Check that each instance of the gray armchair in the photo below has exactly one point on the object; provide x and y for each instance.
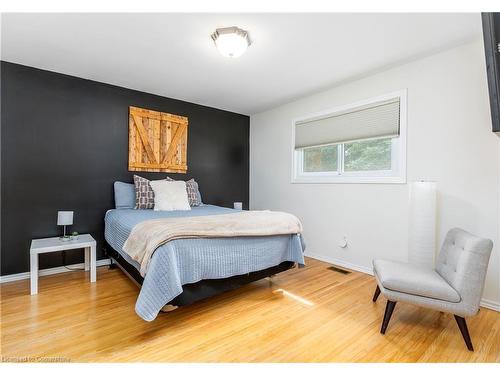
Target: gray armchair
(455, 286)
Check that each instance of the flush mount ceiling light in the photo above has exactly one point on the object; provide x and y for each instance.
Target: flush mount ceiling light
(231, 41)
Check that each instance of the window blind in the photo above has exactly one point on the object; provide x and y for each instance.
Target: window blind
(375, 120)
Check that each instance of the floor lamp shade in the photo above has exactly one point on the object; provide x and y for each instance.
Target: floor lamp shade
(422, 223)
(65, 218)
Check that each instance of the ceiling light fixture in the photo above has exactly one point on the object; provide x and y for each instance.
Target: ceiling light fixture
(231, 41)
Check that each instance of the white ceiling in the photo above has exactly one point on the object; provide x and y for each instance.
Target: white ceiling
(172, 54)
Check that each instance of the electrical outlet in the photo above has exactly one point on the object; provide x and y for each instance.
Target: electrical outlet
(343, 243)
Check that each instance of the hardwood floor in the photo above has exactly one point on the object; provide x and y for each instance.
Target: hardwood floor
(303, 315)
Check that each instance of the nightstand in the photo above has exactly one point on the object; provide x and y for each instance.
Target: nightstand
(49, 245)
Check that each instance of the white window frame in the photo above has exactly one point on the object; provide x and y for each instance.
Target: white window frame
(397, 175)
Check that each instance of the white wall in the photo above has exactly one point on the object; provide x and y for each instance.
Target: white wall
(449, 141)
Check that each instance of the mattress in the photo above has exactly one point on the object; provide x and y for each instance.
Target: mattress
(185, 261)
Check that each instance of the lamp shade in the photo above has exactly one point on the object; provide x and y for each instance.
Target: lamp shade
(65, 218)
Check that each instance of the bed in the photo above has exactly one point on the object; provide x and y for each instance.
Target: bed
(187, 270)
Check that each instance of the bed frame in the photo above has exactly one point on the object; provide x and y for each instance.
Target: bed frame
(202, 289)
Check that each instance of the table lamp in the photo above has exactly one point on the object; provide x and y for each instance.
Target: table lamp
(64, 218)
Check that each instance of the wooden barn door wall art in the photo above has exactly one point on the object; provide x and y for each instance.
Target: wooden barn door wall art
(157, 141)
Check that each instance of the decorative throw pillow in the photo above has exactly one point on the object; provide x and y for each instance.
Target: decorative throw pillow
(144, 195)
(124, 195)
(170, 195)
(193, 192)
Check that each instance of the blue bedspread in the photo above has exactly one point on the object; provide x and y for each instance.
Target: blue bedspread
(186, 261)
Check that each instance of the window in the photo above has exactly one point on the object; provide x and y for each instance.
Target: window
(372, 155)
(321, 159)
(363, 142)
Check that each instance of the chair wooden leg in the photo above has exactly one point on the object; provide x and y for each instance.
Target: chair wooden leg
(465, 332)
(389, 308)
(377, 293)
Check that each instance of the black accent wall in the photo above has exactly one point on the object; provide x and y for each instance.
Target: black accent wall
(65, 141)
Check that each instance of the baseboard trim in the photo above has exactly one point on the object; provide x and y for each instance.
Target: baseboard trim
(489, 304)
(486, 303)
(47, 271)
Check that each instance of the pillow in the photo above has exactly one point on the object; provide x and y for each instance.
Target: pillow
(124, 195)
(170, 195)
(193, 192)
(144, 195)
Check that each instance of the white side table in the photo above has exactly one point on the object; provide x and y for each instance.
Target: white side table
(49, 245)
